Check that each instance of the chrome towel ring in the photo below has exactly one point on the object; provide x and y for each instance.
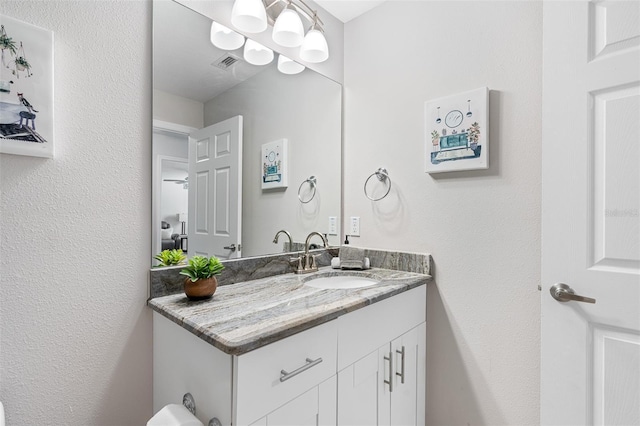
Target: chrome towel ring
(383, 176)
(312, 181)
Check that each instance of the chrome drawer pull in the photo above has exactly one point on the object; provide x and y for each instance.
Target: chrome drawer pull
(310, 363)
(390, 381)
(401, 374)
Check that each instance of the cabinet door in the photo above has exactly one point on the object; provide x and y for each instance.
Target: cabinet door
(386, 387)
(358, 391)
(404, 404)
(316, 407)
(301, 411)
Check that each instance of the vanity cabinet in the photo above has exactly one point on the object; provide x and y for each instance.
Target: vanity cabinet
(247, 389)
(382, 364)
(382, 388)
(331, 374)
(316, 407)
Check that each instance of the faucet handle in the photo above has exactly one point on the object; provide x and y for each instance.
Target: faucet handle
(308, 262)
(297, 260)
(314, 263)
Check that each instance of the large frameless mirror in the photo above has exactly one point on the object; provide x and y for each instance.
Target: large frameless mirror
(239, 151)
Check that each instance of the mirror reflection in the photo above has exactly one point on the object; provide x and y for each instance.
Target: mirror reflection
(240, 151)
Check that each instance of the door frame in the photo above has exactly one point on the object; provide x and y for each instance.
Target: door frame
(156, 176)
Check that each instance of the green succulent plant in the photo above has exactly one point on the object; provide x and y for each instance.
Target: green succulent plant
(21, 60)
(170, 257)
(201, 267)
(7, 43)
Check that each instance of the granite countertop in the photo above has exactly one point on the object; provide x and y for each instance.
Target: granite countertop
(245, 316)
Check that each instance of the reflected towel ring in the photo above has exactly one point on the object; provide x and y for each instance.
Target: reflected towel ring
(382, 176)
(312, 183)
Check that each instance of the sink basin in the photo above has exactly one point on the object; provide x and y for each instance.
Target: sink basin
(341, 282)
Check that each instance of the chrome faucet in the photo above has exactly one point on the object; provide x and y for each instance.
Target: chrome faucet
(282, 231)
(307, 261)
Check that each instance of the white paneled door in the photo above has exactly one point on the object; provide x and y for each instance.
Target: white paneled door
(215, 190)
(590, 371)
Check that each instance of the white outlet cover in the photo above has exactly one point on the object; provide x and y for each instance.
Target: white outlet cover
(354, 226)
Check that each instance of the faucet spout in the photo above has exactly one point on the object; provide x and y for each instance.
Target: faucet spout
(282, 231)
(309, 261)
(306, 243)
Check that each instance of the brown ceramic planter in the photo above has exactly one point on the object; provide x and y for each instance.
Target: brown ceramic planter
(201, 289)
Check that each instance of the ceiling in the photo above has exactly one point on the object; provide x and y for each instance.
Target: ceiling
(346, 10)
(184, 59)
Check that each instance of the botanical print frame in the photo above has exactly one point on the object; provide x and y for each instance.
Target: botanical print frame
(26, 89)
(457, 132)
(275, 164)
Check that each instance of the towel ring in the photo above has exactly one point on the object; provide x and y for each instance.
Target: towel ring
(312, 181)
(382, 176)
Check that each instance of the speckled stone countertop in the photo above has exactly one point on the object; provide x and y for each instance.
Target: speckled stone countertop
(247, 315)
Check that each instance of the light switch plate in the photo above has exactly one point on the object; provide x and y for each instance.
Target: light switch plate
(354, 226)
(333, 225)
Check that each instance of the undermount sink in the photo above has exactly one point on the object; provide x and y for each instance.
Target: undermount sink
(341, 282)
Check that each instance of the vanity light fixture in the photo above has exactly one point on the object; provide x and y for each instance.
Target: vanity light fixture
(314, 47)
(288, 30)
(257, 54)
(225, 38)
(286, 16)
(289, 66)
(249, 16)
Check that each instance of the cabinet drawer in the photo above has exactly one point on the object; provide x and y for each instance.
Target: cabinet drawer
(259, 389)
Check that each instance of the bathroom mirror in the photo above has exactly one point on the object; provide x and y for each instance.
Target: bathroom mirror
(197, 86)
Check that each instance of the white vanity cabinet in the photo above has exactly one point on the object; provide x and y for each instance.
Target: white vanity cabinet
(382, 388)
(382, 363)
(316, 407)
(333, 373)
(243, 389)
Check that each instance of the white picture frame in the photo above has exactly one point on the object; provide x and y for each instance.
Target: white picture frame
(275, 164)
(26, 89)
(457, 132)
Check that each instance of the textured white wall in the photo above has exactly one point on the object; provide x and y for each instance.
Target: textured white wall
(74, 231)
(482, 227)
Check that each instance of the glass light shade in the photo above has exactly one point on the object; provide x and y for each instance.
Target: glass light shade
(314, 47)
(288, 66)
(225, 38)
(249, 16)
(257, 54)
(288, 30)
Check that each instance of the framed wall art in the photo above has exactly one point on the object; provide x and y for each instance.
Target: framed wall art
(457, 132)
(274, 164)
(26, 89)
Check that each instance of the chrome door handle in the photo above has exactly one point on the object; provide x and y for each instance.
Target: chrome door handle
(390, 381)
(563, 293)
(232, 247)
(401, 373)
(285, 375)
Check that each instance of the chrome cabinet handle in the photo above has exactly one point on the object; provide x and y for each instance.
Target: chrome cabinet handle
(232, 247)
(401, 373)
(563, 293)
(390, 381)
(284, 375)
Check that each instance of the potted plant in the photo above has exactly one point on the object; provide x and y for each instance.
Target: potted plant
(435, 139)
(22, 64)
(201, 282)
(474, 134)
(6, 42)
(170, 257)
